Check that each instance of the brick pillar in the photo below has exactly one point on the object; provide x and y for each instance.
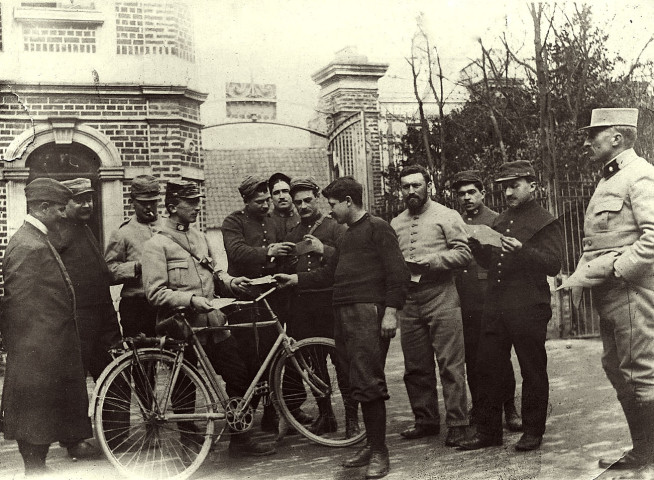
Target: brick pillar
(349, 85)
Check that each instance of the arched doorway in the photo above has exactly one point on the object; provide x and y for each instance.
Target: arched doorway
(65, 162)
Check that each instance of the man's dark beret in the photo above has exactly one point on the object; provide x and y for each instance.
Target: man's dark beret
(513, 170)
(249, 185)
(47, 190)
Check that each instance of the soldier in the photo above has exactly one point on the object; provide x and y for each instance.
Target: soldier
(471, 284)
(96, 315)
(517, 308)
(434, 244)
(311, 310)
(44, 398)
(618, 265)
(370, 280)
(254, 245)
(123, 256)
(177, 273)
(283, 211)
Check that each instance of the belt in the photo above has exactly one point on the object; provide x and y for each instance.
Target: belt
(608, 240)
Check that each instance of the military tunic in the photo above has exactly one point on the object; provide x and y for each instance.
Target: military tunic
(311, 310)
(430, 322)
(471, 283)
(516, 312)
(620, 221)
(285, 222)
(122, 255)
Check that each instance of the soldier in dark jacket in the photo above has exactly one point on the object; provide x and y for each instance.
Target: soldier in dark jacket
(44, 399)
(254, 245)
(517, 308)
(283, 212)
(311, 313)
(471, 283)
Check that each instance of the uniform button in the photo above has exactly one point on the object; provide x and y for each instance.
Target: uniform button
(511, 222)
(412, 257)
(498, 280)
(501, 254)
(308, 269)
(508, 230)
(416, 218)
(470, 219)
(499, 264)
(265, 231)
(589, 243)
(412, 248)
(465, 271)
(413, 240)
(414, 233)
(414, 224)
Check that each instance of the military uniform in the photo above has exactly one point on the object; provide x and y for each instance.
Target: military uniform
(285, 221)
(471, 283)
(516, 313)
(430, 322)
(123, 257)
(619, 223)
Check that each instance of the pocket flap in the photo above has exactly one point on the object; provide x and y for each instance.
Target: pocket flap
(175, 264)
(610, 205)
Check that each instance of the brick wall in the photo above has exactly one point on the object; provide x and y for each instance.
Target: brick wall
(59, 38)
(157, 28)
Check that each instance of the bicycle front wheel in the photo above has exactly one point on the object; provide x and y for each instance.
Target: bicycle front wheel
(154, 417)
(310, 384)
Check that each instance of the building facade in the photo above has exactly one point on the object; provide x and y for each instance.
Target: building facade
(105, 90)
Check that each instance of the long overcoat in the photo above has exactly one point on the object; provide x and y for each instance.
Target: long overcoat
(44, 397)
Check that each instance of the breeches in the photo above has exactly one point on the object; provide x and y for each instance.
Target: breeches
(361, 349)
(626, 315)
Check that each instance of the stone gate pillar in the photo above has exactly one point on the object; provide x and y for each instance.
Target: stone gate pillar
(348, 86)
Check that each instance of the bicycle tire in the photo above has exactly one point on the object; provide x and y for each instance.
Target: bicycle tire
(291, 391)
(145, 444)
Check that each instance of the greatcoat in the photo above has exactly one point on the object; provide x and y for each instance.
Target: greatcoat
(44, 398)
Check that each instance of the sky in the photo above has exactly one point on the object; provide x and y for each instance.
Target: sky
(285, 41)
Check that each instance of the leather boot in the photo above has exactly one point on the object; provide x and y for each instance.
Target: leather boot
(359, 459)
(351, 417)
(511, 417)
(640, 419)
(379, 464)
(326, 420)
(242, 445)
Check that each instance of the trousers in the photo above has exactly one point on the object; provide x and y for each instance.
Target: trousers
(430, 325)
(525, 330)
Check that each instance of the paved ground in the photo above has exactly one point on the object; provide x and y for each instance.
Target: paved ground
(585, 423)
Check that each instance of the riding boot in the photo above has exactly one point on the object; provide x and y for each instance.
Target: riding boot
(326, 420)
(374, 418)
(351, 417)
(269, 419)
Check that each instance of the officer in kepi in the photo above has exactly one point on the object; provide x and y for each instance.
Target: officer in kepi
(618, 267)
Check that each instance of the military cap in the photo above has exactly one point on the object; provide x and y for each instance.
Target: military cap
(79, 186)
(276, 177)
(186, 190)
(613, 117)
(145, 188)
(513, 170)
(304, 183)
(249, 185)
(47, 190)
(466, 177)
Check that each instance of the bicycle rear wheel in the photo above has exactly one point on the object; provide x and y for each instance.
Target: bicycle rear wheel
(315, 390)
(132, 414)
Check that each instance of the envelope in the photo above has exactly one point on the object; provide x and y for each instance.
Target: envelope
(484, 234)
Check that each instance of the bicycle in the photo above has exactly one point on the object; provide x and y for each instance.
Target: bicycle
(150, 379)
